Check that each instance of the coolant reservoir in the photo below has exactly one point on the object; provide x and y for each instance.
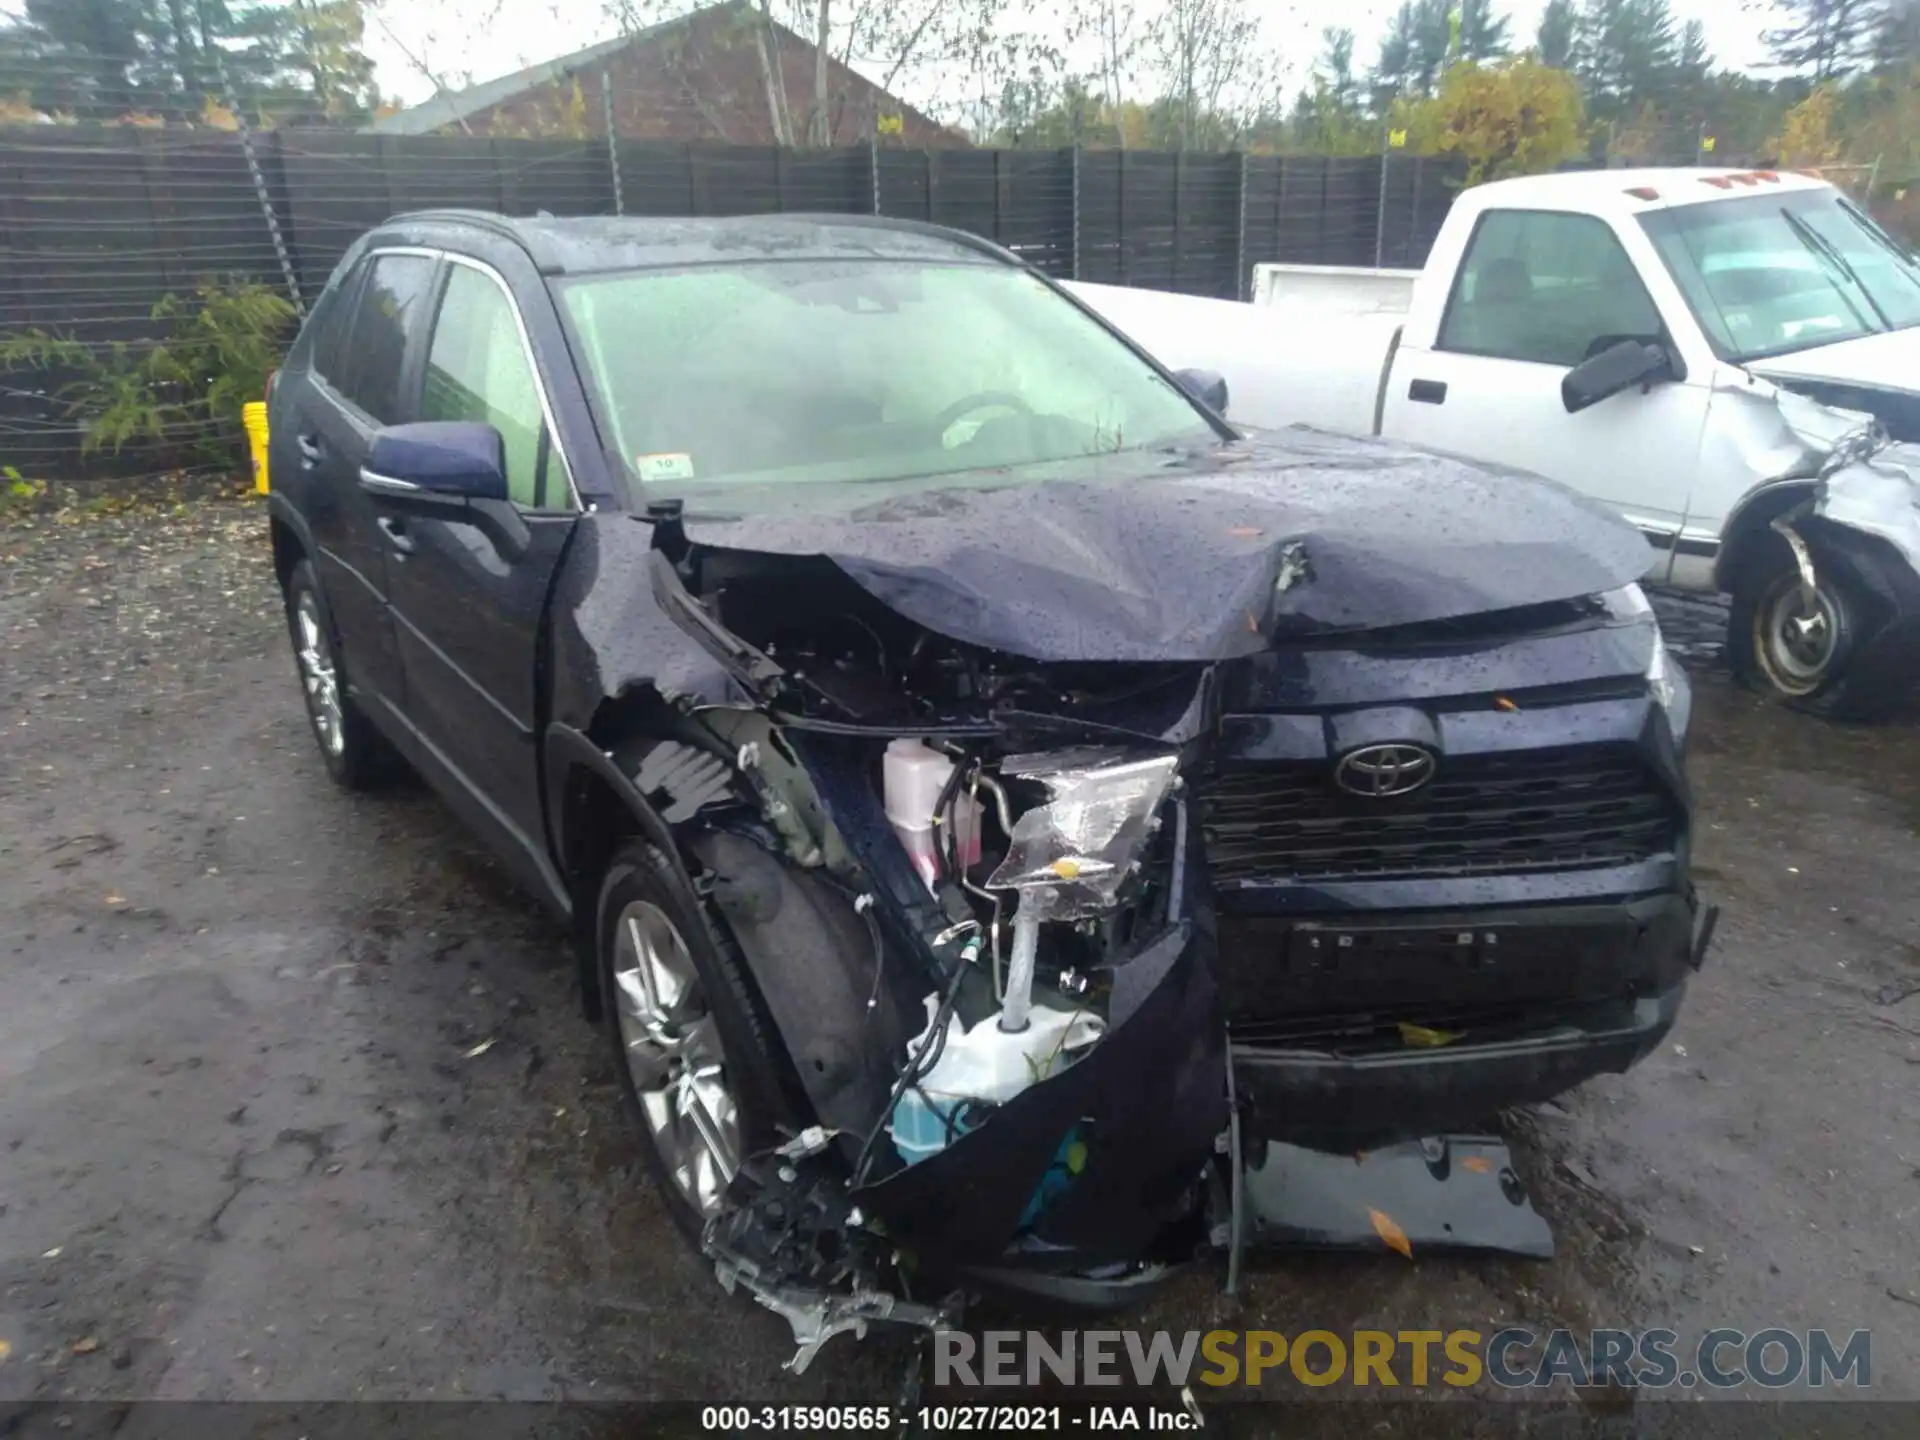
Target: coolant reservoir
(912, 776)
(984, 1064)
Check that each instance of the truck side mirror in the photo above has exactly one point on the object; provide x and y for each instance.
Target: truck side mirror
(1209, 387)
(1618, 367)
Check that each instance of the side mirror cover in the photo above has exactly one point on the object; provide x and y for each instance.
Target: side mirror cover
(1617, 368)
(455, 458)
(1209, 387)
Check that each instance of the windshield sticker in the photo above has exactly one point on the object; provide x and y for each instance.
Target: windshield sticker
(667, 465)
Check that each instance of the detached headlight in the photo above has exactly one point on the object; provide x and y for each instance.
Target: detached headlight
(1069, 856)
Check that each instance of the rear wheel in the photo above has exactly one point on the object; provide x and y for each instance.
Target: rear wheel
(355, 754)
(697, 1056)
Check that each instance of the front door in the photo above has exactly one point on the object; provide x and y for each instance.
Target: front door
(1537, 293)
(468, 606)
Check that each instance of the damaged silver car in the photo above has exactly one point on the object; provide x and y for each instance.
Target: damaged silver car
(1018, 832)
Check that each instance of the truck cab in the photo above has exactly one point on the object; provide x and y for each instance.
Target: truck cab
(1652, 339)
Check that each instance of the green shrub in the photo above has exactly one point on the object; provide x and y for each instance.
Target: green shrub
(182, 392)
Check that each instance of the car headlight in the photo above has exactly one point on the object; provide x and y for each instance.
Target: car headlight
(1069, 856)
(1666, 681)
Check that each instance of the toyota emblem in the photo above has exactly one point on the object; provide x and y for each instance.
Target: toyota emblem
(1378, 772)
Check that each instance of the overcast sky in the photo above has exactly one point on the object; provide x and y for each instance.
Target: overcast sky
(482, 39)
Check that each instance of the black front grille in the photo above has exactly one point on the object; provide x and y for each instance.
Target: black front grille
(1518, 812)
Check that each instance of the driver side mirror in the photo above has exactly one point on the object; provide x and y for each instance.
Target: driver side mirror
(1209, 387)
(1617, 368)
(454, 461)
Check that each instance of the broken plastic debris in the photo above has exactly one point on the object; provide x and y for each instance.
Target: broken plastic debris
(1395, 1237)
(53, 1254)
(477, 1051)
(1422, 1037)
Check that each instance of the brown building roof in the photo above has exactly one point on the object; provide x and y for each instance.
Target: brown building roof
(701, 77)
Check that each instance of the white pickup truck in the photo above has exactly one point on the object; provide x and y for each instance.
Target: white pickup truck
(1707, 351)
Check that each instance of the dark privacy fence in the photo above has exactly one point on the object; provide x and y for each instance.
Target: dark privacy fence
(98, 224)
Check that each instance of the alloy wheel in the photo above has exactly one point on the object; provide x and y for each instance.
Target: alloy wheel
(674, 1056)
(317, 675)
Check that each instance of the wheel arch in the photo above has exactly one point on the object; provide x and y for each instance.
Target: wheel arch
(1749, 532)
(596, 806)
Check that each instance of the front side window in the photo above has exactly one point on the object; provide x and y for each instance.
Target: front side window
(478, 369)
(858, 370)
(1546, 287)
(1771, 274)
(393, 304)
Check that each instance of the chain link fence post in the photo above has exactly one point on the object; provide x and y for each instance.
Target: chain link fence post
(1076, 212)
(1380, 215)
(1242, 287)
(613, 144)
(260, 191)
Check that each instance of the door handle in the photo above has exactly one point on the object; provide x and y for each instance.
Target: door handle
(1428, 392)
(310, 450)
(395, 529)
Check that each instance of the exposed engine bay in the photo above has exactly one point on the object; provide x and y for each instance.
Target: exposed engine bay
(990, 855)
(973, 891)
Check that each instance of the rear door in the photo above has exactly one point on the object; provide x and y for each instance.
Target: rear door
(469, 605)
(1537, 292)
(356, 386)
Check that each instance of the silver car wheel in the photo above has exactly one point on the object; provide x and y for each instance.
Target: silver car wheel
(317, 675)
(1797, 641)
(674, 1056)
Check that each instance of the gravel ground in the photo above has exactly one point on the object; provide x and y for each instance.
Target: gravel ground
(295, 1102)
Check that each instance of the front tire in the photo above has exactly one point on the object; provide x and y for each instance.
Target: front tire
(697, 1056)
(355, 754)
(1799, 650)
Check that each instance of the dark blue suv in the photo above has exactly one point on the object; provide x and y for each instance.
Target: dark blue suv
(998, 805)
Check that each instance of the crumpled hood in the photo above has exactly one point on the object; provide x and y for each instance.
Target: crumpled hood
(1204, 556)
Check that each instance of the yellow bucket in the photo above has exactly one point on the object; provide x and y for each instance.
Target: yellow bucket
(254, 416)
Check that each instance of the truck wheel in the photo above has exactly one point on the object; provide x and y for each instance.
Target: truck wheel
(356, 755)
(695, 1050)
(1800, 652)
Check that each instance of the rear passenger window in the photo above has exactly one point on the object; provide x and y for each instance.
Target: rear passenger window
(393, 305)
(330, 324)
(1547, 287)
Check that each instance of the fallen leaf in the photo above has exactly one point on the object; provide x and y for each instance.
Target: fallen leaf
(1423, 1038)
(116, 899)
(53, 1254)
(6, 1350)
(1246, 532)
(1395, 1237)
(87, 1346)
(477, 1051)
(1479, 1164)
(1502, 703)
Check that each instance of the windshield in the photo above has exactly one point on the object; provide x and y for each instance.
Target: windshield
(837, 371)
(1771, 274)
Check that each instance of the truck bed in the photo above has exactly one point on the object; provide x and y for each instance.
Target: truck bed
(1334, 289)
(1283, 365)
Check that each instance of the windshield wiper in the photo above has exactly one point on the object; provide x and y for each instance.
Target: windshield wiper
(1827, 250)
